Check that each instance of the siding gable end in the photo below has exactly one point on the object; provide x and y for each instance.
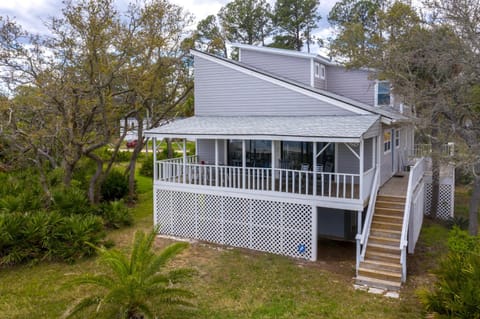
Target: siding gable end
(224, 89)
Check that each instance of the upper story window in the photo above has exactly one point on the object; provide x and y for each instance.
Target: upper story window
(317, 69)
(382, 93)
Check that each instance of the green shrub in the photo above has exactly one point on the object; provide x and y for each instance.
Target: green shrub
(71, 201)
(457, 221)
(10, 204)
(47, 235)
(123, 156)
(147, 167)
(115, 214)
(74, 237)
(456, 293)
(114, 187)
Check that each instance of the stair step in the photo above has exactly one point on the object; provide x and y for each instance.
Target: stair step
(381, 265)
(382, 256)
(389, 249)
(384, 240)
(380, 274)
(390, 233)
(378, 224)
(391, 198)
(388, 218)
(377, 283)
(389, 211)
(384, 204)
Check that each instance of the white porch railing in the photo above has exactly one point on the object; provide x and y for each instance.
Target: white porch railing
(415, 178)
(424, 150)
(324, 184)
(362, 239)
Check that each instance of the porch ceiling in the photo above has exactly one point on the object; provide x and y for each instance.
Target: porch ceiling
(301, 128)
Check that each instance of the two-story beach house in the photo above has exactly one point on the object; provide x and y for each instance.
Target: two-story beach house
(291, 147)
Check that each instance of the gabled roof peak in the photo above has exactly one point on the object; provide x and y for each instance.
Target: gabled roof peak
(286, 52)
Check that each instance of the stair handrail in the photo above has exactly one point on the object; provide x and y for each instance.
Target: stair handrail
(369, 216)
(415, 176)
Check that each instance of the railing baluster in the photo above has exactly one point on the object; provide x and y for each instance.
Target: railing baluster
(307, 183)
(352, 193)
(344, 186)
(337, 183)
(329, 185)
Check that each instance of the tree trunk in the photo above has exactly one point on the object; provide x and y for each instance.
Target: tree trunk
(133, 160)
(169, 148)
(473, 207)
(68, 174)
(95, 180)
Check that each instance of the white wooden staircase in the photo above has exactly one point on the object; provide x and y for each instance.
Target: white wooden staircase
(381, 266)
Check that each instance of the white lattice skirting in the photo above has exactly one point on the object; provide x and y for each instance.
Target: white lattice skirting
(445, 202)
(264, 225)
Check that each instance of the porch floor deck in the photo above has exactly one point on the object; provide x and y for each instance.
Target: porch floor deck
(396, 186)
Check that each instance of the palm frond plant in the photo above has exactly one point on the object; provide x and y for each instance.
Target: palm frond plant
(136, 286)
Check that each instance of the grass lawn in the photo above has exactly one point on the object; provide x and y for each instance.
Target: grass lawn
(236, 283)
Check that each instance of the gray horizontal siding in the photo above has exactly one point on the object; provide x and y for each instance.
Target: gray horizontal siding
(354, 84)
(319, 83)
(347, 162)
(222, 91)
(297, 69)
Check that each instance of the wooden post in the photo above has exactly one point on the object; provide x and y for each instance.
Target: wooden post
(314, 169)
(216, 162)
(361, 169)
(155, 168)
(184, 160)
(273, 165)
(244, 162)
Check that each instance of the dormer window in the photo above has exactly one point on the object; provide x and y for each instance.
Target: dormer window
(382, 93)
(317, 69)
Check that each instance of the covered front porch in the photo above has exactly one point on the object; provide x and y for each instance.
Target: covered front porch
(332, 163)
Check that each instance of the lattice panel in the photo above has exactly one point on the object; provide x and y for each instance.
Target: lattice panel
(271, 226)
(210, 221)
(182, 219)
(297, 241)
(445, 204)
(162, 206)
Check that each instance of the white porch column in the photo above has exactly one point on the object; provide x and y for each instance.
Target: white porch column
(184, 161)
(155, 177)
(155, 167)
(358, 237)
(244, 162)
(216, 162)
(314, 169)
(314, 233)
(361, 169)
(273, 165)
